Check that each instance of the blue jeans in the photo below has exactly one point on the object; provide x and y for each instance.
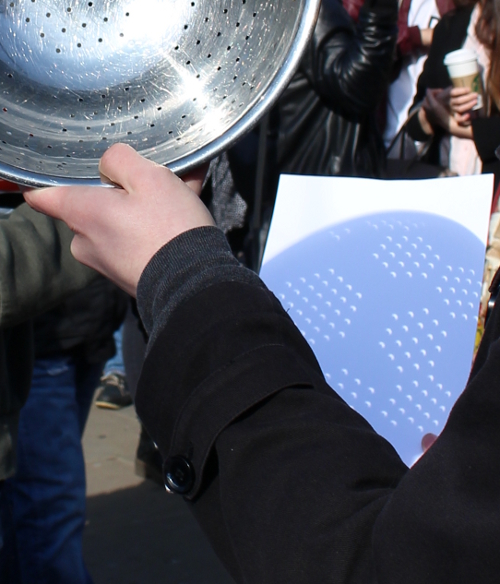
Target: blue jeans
(46, 497)
(115, 364)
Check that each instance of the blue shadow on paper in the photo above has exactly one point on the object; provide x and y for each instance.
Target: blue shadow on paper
(389, 304)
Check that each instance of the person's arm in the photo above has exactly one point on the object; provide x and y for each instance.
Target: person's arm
(448, 35)
(37, 270)
(349, 64)
(289, 483)
(410, 38)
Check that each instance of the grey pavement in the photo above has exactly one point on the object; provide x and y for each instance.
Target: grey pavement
(136, 533)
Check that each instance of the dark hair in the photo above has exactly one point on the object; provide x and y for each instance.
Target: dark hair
(488, 33)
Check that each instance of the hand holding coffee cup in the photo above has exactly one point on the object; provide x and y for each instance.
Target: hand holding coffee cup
(465, 74)
(462, 102)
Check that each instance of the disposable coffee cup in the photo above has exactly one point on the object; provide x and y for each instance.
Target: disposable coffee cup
(464, 71)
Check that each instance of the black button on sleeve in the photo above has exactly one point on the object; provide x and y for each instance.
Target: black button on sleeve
(178, 473)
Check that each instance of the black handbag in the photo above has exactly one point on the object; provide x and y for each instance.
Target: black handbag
(406, 159)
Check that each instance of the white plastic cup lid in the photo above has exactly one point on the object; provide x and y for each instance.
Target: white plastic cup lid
(460, 56)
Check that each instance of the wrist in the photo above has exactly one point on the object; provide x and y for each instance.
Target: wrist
(424, 122)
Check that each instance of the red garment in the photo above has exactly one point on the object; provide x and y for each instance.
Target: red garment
(409, 39)
(353, 7)
(6, 186)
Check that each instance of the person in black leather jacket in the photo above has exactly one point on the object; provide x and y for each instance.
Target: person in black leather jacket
(325, 119)
(325, 123)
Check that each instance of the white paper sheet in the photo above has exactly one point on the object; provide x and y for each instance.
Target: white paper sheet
(383, 278)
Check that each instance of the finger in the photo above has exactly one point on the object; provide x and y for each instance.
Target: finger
(466, 107)
(122, 165)
(459, 99)
(463, 119)
(458, 91)
(194, 179)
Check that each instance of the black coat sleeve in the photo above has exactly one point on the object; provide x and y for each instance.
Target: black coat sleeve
(292, 485)
(348, 63)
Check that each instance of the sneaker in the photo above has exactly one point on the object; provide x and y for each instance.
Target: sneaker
(112, 392)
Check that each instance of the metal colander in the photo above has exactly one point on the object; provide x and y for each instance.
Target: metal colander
(179, 80)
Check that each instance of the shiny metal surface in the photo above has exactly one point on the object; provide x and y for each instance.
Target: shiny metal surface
(179, 80)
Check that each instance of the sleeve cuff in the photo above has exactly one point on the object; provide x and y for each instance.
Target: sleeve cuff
(415, 129)
(189, 263)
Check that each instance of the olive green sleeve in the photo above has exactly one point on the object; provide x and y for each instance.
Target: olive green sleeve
(37, 270)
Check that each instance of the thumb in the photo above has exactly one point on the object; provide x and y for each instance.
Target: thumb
(72, 205)
(50, 201)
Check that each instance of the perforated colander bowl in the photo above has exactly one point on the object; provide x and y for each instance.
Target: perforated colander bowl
(179, 80)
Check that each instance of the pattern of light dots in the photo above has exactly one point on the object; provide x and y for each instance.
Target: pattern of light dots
(389, 305)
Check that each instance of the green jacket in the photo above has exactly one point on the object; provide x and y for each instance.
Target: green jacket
(37, 272)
